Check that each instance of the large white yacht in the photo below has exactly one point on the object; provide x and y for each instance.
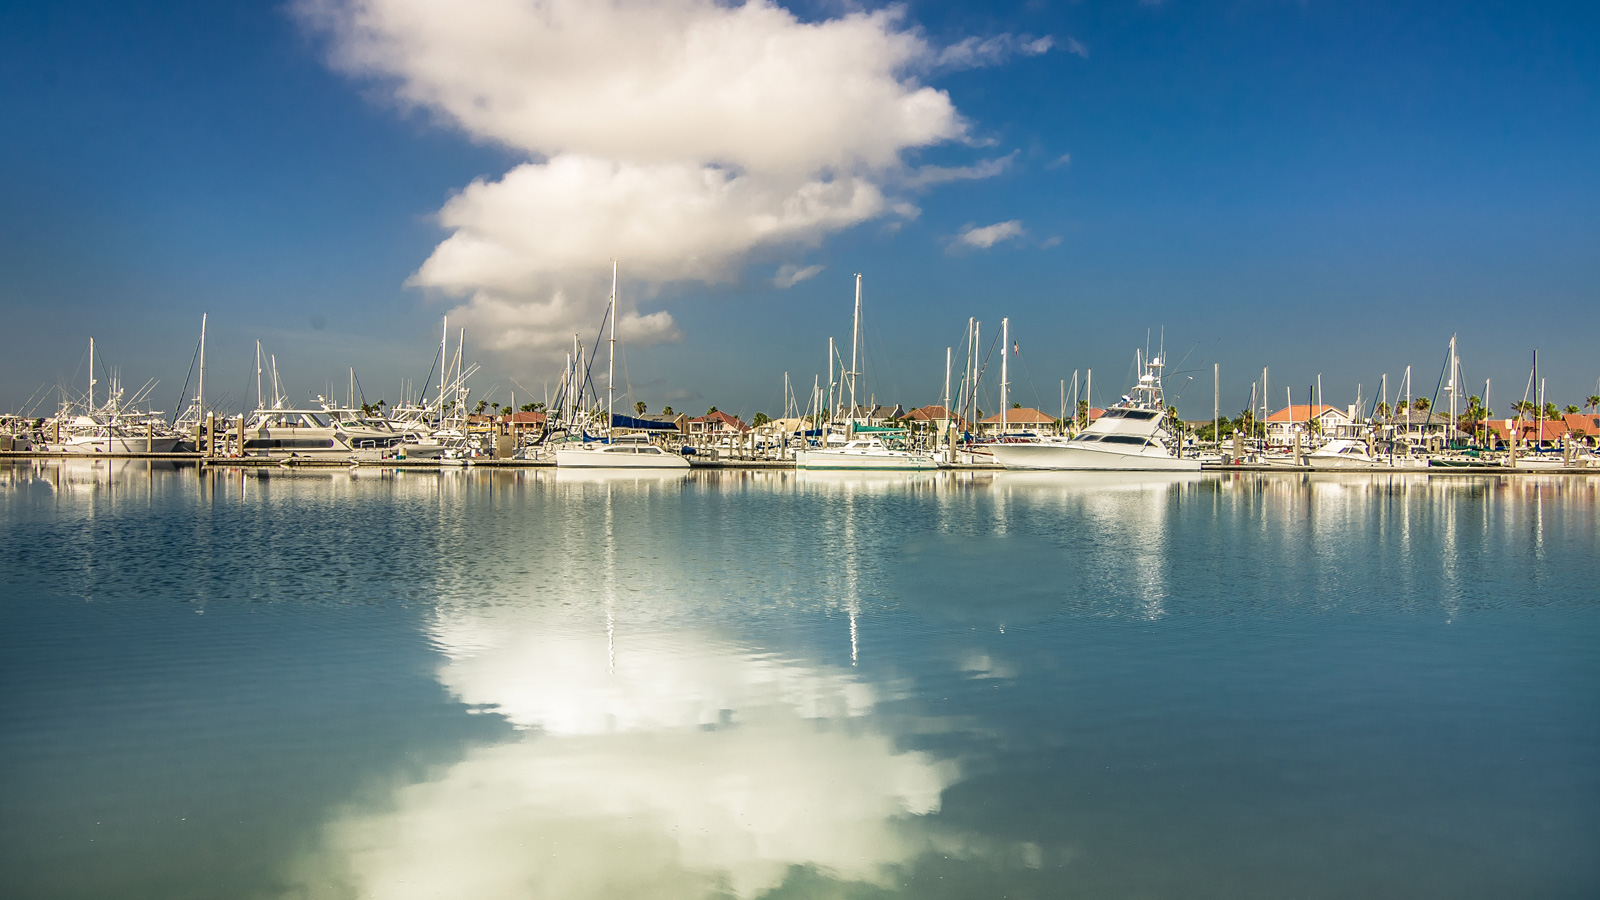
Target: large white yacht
(864, 453)
(1129, 436)
(283, 433)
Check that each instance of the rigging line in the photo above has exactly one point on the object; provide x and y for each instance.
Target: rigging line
(422, 397)
(178, 407)
(359, 389)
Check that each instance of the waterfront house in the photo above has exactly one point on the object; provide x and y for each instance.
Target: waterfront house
(1018, 420)
(1330, 422)
(717, 423)
(935, 419)
(521, 424)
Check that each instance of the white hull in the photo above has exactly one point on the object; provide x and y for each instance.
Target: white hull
(851, 460)
(618, 456)
(1065, 456)
(115, 444)
(1342, 462)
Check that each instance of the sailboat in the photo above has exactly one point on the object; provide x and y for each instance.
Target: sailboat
(612, 452)
(866, 450)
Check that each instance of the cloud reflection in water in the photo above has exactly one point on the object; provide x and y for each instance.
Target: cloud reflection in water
(669, 766)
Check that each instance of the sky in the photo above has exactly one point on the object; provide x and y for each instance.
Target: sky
(1328, 190)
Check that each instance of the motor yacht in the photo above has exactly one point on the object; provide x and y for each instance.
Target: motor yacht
(1130, 436)
(1343, 454)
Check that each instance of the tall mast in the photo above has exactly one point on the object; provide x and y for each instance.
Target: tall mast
(444, 363)
(201, 399)
(1452, 388)
(1088, 391)
(611, 363)
(259, 404)
(91, 376)
(1216, 404)
(855, 341)
(833, 408)
(1005, 355)
(946, 381)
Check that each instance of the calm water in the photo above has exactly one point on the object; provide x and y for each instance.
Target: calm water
(520, 684)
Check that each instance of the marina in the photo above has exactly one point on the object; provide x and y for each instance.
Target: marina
(990, 682)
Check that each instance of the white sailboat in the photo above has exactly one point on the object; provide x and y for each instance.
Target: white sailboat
(615, 452)
(860, 452)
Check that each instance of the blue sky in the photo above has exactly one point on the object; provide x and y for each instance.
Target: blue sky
(1313, 187)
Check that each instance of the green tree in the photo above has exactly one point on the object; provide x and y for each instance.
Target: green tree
(667, 411)
(1550, 411)
(1592, 401)
(1083, 414)
(482, 405)
(1421, 404)
(639, 408)
(1016, 406)
(537, 407)
(1383, 410)
(759, 420)
(711, 410)
(1570, 410)
(531, 407)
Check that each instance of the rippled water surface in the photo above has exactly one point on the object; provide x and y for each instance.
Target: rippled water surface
(742, 685)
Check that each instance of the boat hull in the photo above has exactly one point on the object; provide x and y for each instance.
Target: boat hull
(575, 458)
(116, 444)
(1342, 462)
(1079, 458)
(842, 461)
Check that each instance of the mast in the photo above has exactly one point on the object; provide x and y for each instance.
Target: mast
(855, 340)
(1451, 387)
(947, 355)
(201, 399)
(833, 408)
(1005, 354)
(611, 363)
(444, 363)
(1088, 392)
(91, 376)
(1216, 404)
(1266, 409)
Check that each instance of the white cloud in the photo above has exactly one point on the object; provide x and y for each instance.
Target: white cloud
(923, 176)
(987, 236)
(790, 275)
(975, 52)
(679, 137)
(1076, 48)
(1064, 159)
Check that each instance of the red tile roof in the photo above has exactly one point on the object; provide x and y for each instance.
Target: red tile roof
(1024, 416)
(723, 418)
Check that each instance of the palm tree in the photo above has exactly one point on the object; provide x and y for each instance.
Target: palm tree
(1421, 404)
(1571, 410)
(667, 411)
(639, 408)
(1592, 401)
(1383, 410)
(759, 420)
